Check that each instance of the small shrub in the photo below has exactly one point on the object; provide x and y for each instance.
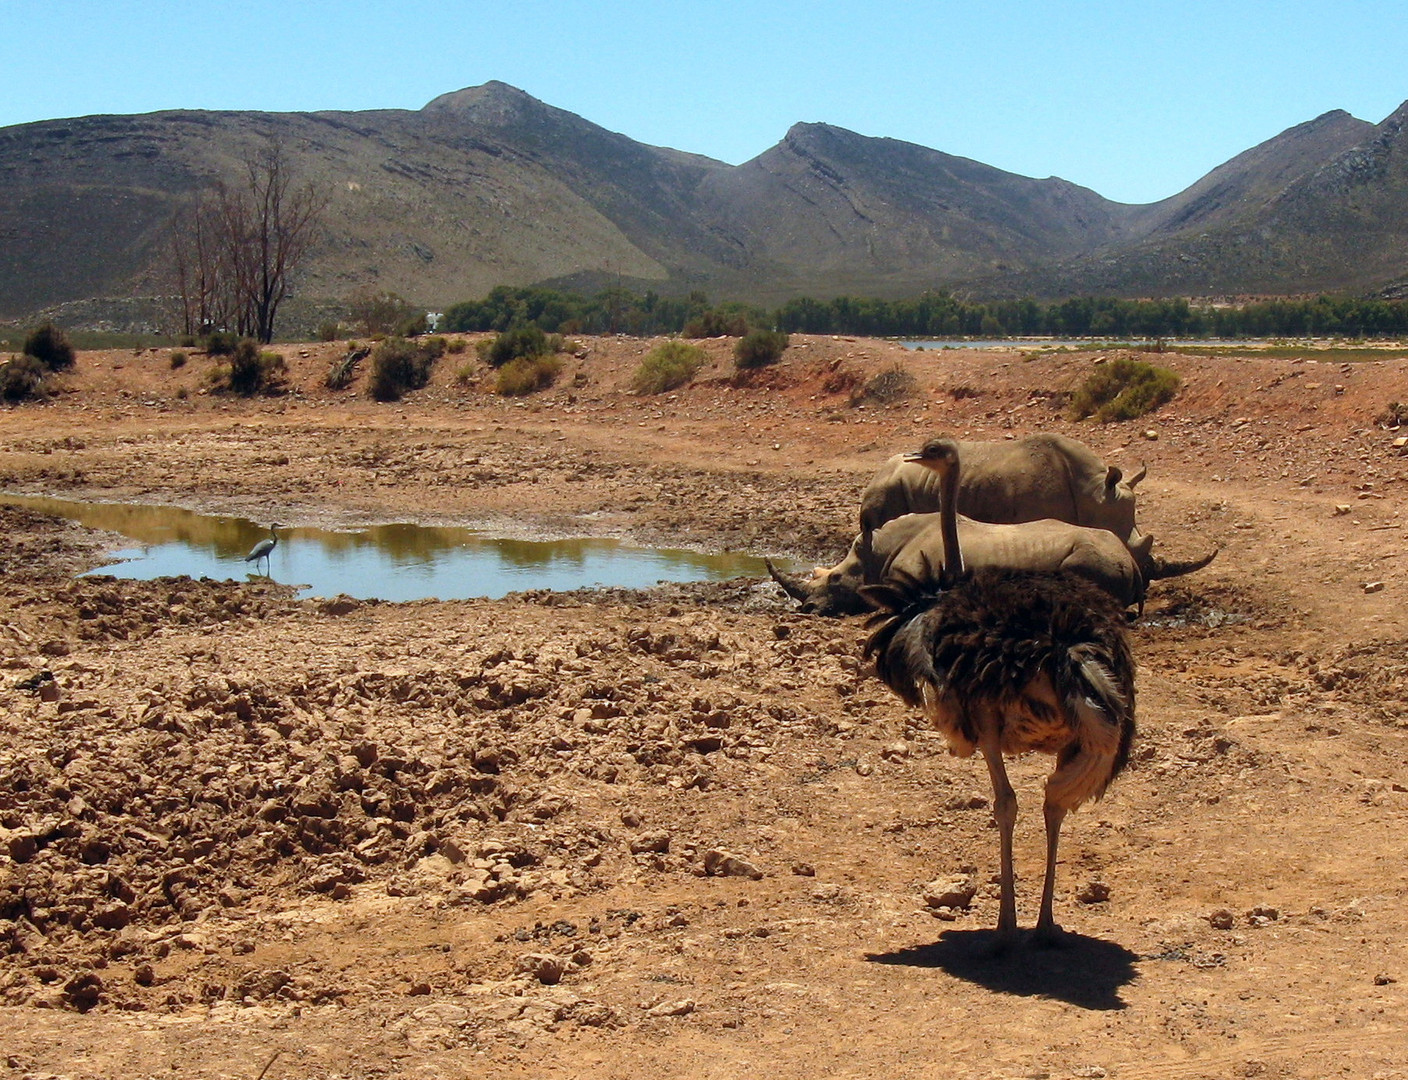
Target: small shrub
(1123, 390)
(220, 343)
(519, 342)
(398, 366)
(22, 379)
(178, 360)
(253, 372)
(50, 347)
(887, 387)
(1395, 416)
(759, 348)
(668, 365)
(464, 374)
(456, 346)
(523, 375)
(188, 341)
(329, 331)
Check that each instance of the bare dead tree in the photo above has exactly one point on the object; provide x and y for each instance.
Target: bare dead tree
(236, 249)
(283, 223)
(202, 262)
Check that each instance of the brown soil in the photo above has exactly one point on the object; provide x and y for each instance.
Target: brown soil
(246, 834)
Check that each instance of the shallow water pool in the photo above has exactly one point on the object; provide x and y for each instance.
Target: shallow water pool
(384, 562)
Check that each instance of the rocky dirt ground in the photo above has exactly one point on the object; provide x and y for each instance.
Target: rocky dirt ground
(683, 832)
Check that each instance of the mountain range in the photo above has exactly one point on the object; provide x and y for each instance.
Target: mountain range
(488, 186)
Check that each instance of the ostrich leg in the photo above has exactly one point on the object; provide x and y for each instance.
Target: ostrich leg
(1004, 810)
(1047, 932)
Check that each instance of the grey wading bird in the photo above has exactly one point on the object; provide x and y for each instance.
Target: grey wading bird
(262, 549)
(1006, 662)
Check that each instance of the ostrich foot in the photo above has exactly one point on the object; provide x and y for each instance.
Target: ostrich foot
(1050, 936)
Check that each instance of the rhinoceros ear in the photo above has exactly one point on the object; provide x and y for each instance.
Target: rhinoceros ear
(1113, 476)
(1143, 472)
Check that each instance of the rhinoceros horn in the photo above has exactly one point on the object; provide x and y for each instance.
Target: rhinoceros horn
(790, 587)
(1167, 568)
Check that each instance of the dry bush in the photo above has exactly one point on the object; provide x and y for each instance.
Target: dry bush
(400, 365)
(1123, 389)
(526, 375)
(49, 345)
(22, 379)
(887, 387)
(1395, 416)
(669, 365)
(759, 348)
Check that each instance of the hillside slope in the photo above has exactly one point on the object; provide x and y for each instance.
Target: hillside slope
(488, 186)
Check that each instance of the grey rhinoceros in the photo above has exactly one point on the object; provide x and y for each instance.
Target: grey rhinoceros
(1046, 480)
(1040, 476)
(913, 545)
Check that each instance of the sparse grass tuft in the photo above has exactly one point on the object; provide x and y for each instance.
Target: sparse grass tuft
(1123, 389)
(344, 368)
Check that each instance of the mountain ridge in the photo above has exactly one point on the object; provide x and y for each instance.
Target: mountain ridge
(487, 185)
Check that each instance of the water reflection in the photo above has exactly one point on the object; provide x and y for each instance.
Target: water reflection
(388, 562)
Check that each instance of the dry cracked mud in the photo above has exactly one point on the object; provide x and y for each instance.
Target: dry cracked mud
(683, 831)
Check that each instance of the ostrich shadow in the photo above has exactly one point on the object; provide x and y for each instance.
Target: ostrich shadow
(1084, 971)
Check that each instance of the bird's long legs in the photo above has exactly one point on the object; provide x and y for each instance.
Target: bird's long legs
(1047, 931)
(1005, 812)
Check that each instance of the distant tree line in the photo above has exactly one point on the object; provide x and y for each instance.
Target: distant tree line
(611, 311)
(933, 315)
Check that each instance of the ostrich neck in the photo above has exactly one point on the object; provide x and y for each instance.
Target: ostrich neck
(948, 523)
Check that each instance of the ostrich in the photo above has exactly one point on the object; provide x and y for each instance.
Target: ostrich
(262, 549)
(1006, 662)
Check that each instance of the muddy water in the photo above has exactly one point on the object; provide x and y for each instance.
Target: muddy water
(386, 562)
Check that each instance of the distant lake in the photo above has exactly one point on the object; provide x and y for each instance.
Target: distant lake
(386, 562)
(988, 343)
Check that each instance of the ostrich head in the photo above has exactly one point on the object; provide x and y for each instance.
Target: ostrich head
(941, 455)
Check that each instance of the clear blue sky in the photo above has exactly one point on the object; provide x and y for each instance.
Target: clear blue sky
(1133, 98)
